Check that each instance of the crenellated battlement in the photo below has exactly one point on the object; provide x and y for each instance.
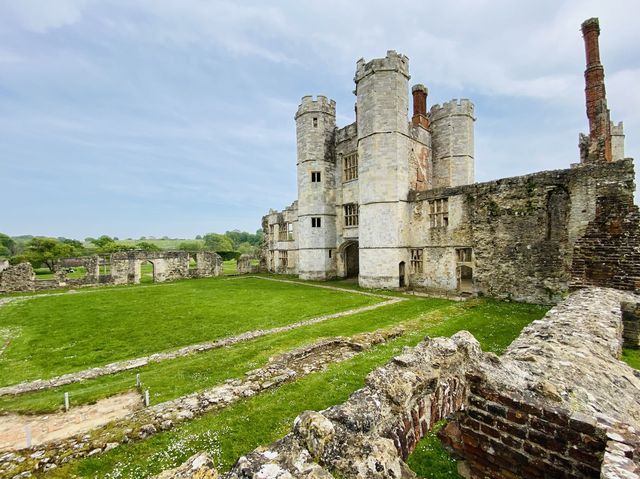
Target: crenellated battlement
(454, 107)
(617, 129)
(392, 62)
(320, 105)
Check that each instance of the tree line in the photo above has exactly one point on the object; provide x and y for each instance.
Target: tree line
(47, 252)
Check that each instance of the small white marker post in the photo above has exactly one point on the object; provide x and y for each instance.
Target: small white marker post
(66, 401)
(27, 433)
(138, 380)
(146, 398)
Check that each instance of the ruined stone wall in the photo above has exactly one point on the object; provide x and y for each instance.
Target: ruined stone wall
(521, 230)
(275, 244)
(608, 254)
(17, 278)
(244, 265)
(557, 400)
(125, 269)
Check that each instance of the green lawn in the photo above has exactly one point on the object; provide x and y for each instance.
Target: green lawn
(59, 334)
(230, 266)
(171, 379)
(259, 420)
(631, 357)
(45, 273)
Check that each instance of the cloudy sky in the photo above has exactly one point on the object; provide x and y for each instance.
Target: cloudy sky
(175, 117)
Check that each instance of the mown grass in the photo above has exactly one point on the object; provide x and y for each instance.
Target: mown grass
(230, 266)
(430, 460)
(236, 430)
(631, 357)
(45, 273)
(171, 379)
(53, 335)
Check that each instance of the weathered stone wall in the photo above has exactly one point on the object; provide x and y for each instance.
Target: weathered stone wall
(551, 403)
(523, 230)
(557, 404)
(125, 269)
(4, 264)
(609, 252)
(244, 265)
(17, 278)
(276, 245)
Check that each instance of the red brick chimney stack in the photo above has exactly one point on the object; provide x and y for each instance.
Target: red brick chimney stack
(599, 147)
(420, 93)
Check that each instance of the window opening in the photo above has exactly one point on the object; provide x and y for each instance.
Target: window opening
(351, 166)
(439, 213)
(416, 261)
(351, 214)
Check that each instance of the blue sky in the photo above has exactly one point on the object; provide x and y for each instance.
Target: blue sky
(175, 117)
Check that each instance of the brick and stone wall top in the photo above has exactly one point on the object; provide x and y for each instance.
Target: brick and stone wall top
(570, 357)
(602, 175)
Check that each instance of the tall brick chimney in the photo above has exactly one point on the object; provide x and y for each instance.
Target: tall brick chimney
(420, 93)
(597, 147)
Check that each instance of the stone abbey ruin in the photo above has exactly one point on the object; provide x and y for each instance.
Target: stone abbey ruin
(393, 203)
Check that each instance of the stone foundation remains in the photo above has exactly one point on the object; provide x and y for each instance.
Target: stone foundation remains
(145, 422)
(557, 404)
(124, 268)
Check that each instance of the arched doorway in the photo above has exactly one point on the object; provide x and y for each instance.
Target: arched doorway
(401, 273)
(465, 279)
(351, 260)
(147, 272)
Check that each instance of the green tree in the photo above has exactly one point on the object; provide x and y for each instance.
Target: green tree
(146, 246)
(8, 246)
(246, 248)
(191, 245)
(48, 251)
(217, 242)
(103, 242)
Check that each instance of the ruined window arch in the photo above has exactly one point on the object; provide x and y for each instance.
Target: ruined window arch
(558, 208)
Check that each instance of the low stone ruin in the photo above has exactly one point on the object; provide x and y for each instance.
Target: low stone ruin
(244, 264)
(124, 268)
(558, 403)
(17, 278)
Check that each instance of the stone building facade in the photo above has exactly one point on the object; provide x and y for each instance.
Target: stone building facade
(392, 200)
